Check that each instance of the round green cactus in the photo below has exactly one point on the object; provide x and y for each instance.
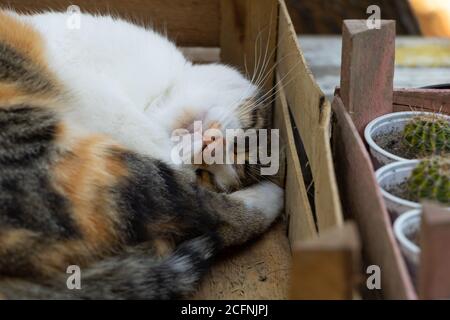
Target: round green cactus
(431, 180)
(428, 135)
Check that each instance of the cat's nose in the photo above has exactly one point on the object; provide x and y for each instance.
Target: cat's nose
(213, 137)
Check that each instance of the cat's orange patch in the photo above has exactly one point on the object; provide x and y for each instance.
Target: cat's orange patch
(9, 239)
(22, 37)
(85, 174)
(28, 43)
(11, 95)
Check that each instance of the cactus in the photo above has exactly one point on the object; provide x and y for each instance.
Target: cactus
(427, 135)
(431, 180)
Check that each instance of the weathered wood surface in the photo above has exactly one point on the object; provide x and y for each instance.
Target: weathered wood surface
(258, 270)
(362, 199)
(248, 37)
(327, 267)
(188, 22)
(311, 113)
(201, 55)
(297, 208)
(422, 100)
(367, 70)
(434, 281)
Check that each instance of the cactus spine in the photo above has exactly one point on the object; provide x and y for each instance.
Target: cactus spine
(431, 180)
(428, 135)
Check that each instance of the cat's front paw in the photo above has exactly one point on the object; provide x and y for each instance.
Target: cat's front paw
(265, 197)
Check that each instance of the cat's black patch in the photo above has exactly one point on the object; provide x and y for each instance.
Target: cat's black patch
(153, 192)
(15, 68)
(27, 197)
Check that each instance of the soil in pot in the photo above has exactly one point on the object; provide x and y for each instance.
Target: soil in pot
(414, 237)
(400, 190)
(392, 142)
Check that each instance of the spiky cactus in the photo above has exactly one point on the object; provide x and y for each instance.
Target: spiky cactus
(431, 180)
(427, 135)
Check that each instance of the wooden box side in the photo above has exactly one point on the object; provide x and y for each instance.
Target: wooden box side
(432, 100)
(192, 23)
(361, 197)
(311, 114)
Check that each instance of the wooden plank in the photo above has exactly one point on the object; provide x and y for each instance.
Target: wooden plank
(201, 54)
(259, 270)
(327, 268)
(188, 22)
(434, 280)
(248, 37)
(362, 199)
(311, 113)
(432, 100)
(367, 70)
(297, 208)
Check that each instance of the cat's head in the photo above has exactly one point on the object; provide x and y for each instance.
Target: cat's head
(209, 101)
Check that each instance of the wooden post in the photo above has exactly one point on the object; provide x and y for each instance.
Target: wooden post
(367, 70)
(327, 267)
(434, 279)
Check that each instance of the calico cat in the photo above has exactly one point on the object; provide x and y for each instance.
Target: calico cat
(136, 86)
(77, 190)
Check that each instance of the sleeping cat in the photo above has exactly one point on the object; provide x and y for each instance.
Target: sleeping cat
(136, 86)
(86, 176)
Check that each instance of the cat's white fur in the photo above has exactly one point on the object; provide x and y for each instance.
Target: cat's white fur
(133, 83)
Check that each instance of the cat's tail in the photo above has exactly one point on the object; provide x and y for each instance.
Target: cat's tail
(133, 275)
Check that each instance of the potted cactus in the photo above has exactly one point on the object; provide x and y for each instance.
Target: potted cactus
(407, 135)
(404, 183)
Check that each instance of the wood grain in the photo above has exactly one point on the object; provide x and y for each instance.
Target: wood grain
(188, 22)
(432, 100)
(327, 268)
(362, 199)
(311, 113)
(297, 208)
(434, 281)
(367, 70)
(258, 270)
(248, 37)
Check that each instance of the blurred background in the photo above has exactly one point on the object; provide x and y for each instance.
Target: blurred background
(422, 44)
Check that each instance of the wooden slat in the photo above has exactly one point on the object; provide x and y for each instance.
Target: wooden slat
(328, 267)
(434, 280)
(422, 100)
(297, 208)
(311, 113)
(202, 55)
(248, 36)
(188, 22)
(367, 70)
(361, 197)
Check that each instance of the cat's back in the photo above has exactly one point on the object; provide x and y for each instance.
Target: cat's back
(141, 61)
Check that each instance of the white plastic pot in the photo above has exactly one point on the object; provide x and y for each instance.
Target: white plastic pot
(388, 123)
(406, 225)
(394, 174)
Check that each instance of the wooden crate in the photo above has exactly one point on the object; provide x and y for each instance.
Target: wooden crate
(244, 33)
(367, 92)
